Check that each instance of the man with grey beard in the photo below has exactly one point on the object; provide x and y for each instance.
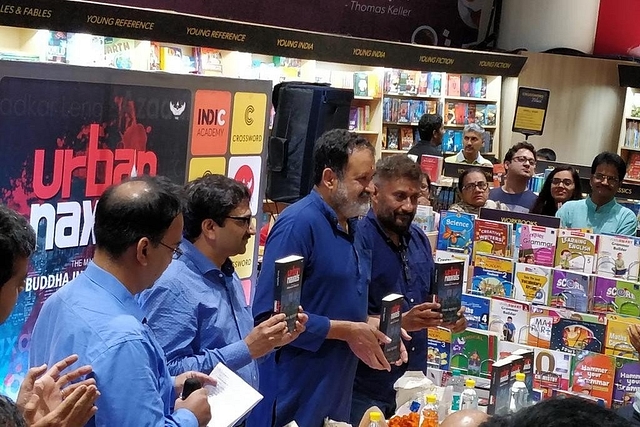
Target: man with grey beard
(312, 378)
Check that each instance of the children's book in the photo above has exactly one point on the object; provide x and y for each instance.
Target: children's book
(593, 374)
(442, 256)
(618, 256)
(438, 348)
(617, 341)
(491, 113)
(551, 370)
(473, 352)
(476, 311)
(535, 244)
(571, 289)
(532, 283)
(626, 382)
(492, 238)
(456, 232)
(509, 319)
(492, 276)
(360, 84)
(576, 250)
(605, 291)
(574, 335)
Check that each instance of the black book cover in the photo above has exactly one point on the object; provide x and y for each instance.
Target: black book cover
(447, 288)
(288, 287)
(390, 324)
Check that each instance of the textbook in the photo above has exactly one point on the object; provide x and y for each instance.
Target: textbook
(576, 250)
(535, 244)
(532, 283)
(456, 232)
(390, 324)
(289, 272)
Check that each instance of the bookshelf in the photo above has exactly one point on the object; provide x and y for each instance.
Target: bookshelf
(629, 142)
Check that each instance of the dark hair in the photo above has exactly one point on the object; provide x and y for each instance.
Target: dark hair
(560, 412)
(545, 204)
(17, 240)
(122, 219)
(211, 197)
(395, 167)
(609, 158)
(519, 146)
(332, 150)
(546, 154)
(466, 172)
(428, 124)
(10, 415)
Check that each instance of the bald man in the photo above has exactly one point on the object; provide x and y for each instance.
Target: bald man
(465, 418)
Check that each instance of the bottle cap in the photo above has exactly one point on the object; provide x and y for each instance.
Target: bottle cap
(375, 416)
(455, 373)
(470, 383)
(432, 398)
(519, 376)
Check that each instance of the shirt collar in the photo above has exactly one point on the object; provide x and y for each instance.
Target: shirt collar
(604, 208)
(404, 239)
(203, 264)
(328, 212)
(112, 285)
(460, 159)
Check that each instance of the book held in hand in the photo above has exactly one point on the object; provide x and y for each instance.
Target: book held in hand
(447, 289)
(390, 324)
(288, 288)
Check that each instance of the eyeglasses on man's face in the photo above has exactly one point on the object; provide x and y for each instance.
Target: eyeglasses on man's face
(600, 177)
(245, 220)
(566, 182)
(524, 159)
(177, 252)
(480, 185)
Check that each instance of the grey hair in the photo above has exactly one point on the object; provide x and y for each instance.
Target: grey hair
(473, 127)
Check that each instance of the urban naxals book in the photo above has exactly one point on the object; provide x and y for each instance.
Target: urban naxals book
(288, 288)
(390, 324)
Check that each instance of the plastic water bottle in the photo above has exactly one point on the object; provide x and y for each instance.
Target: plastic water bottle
(430, 412)
(374, 419)
(457, 384)
(518, 395)
(469, 397)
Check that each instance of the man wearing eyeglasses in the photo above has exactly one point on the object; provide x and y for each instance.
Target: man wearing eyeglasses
(600, 211)
(520, 165)
(473, 140)
(197, 308)
(402, 263)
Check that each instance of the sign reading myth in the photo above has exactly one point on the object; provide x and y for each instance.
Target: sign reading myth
(531, 111)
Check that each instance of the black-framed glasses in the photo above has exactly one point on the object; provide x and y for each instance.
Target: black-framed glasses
(245, 219)
(566, 182)
(481, 185)
(177, 252)
(404, 260)
(523, 159)
(600, 177)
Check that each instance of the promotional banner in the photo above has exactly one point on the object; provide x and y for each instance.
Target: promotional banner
(68, 133)
(618, 32)
(454, 23)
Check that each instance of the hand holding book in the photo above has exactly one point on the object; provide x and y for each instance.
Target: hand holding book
(422, 316)
(460, 324)
(273, 333)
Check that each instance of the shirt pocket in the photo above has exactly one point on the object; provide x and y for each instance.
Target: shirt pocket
(421, 279)
(364, 271)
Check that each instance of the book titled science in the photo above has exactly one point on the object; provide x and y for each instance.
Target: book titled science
(390, 324)
(288, 288)
(447, 288)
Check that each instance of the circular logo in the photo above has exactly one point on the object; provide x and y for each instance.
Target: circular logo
(247, 115)
(245, 176)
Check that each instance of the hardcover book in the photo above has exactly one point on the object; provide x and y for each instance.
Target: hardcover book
(390, 325)
(576, 250)
(492, 276)
(535, 244)
(289, 271)
(532, 283)
(447, 288)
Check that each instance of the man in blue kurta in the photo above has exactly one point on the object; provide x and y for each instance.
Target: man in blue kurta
(197, 309)
(312, 377)
(138, 225)
(402, 263)
(600, 212)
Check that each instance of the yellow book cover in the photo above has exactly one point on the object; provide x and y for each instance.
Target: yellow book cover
(576, 250)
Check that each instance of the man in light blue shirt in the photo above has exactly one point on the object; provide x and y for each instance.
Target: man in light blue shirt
(600, 211)
(197, 308)
(138, 225)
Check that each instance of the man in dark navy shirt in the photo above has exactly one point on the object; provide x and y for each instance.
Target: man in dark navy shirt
(402, 263)
(312, 377)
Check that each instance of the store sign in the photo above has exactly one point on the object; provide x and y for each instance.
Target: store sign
(617, 32)
(68, 133)
(143, 24)
(531, 111)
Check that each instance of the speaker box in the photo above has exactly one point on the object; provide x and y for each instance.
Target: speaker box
(303, 112)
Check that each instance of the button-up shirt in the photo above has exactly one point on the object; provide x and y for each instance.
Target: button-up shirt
(97, 318)
(312, 378)
(200, 316)
(610, 218)
(459, 158)
(388, 275)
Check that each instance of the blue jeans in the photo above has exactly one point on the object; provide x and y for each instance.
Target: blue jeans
(360, 403)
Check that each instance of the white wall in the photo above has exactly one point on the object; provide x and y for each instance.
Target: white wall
(539, 25)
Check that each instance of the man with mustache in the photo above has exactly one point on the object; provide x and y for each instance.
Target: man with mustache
(473, 142)
(197, 309)
(402, 263)
(312, 377)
